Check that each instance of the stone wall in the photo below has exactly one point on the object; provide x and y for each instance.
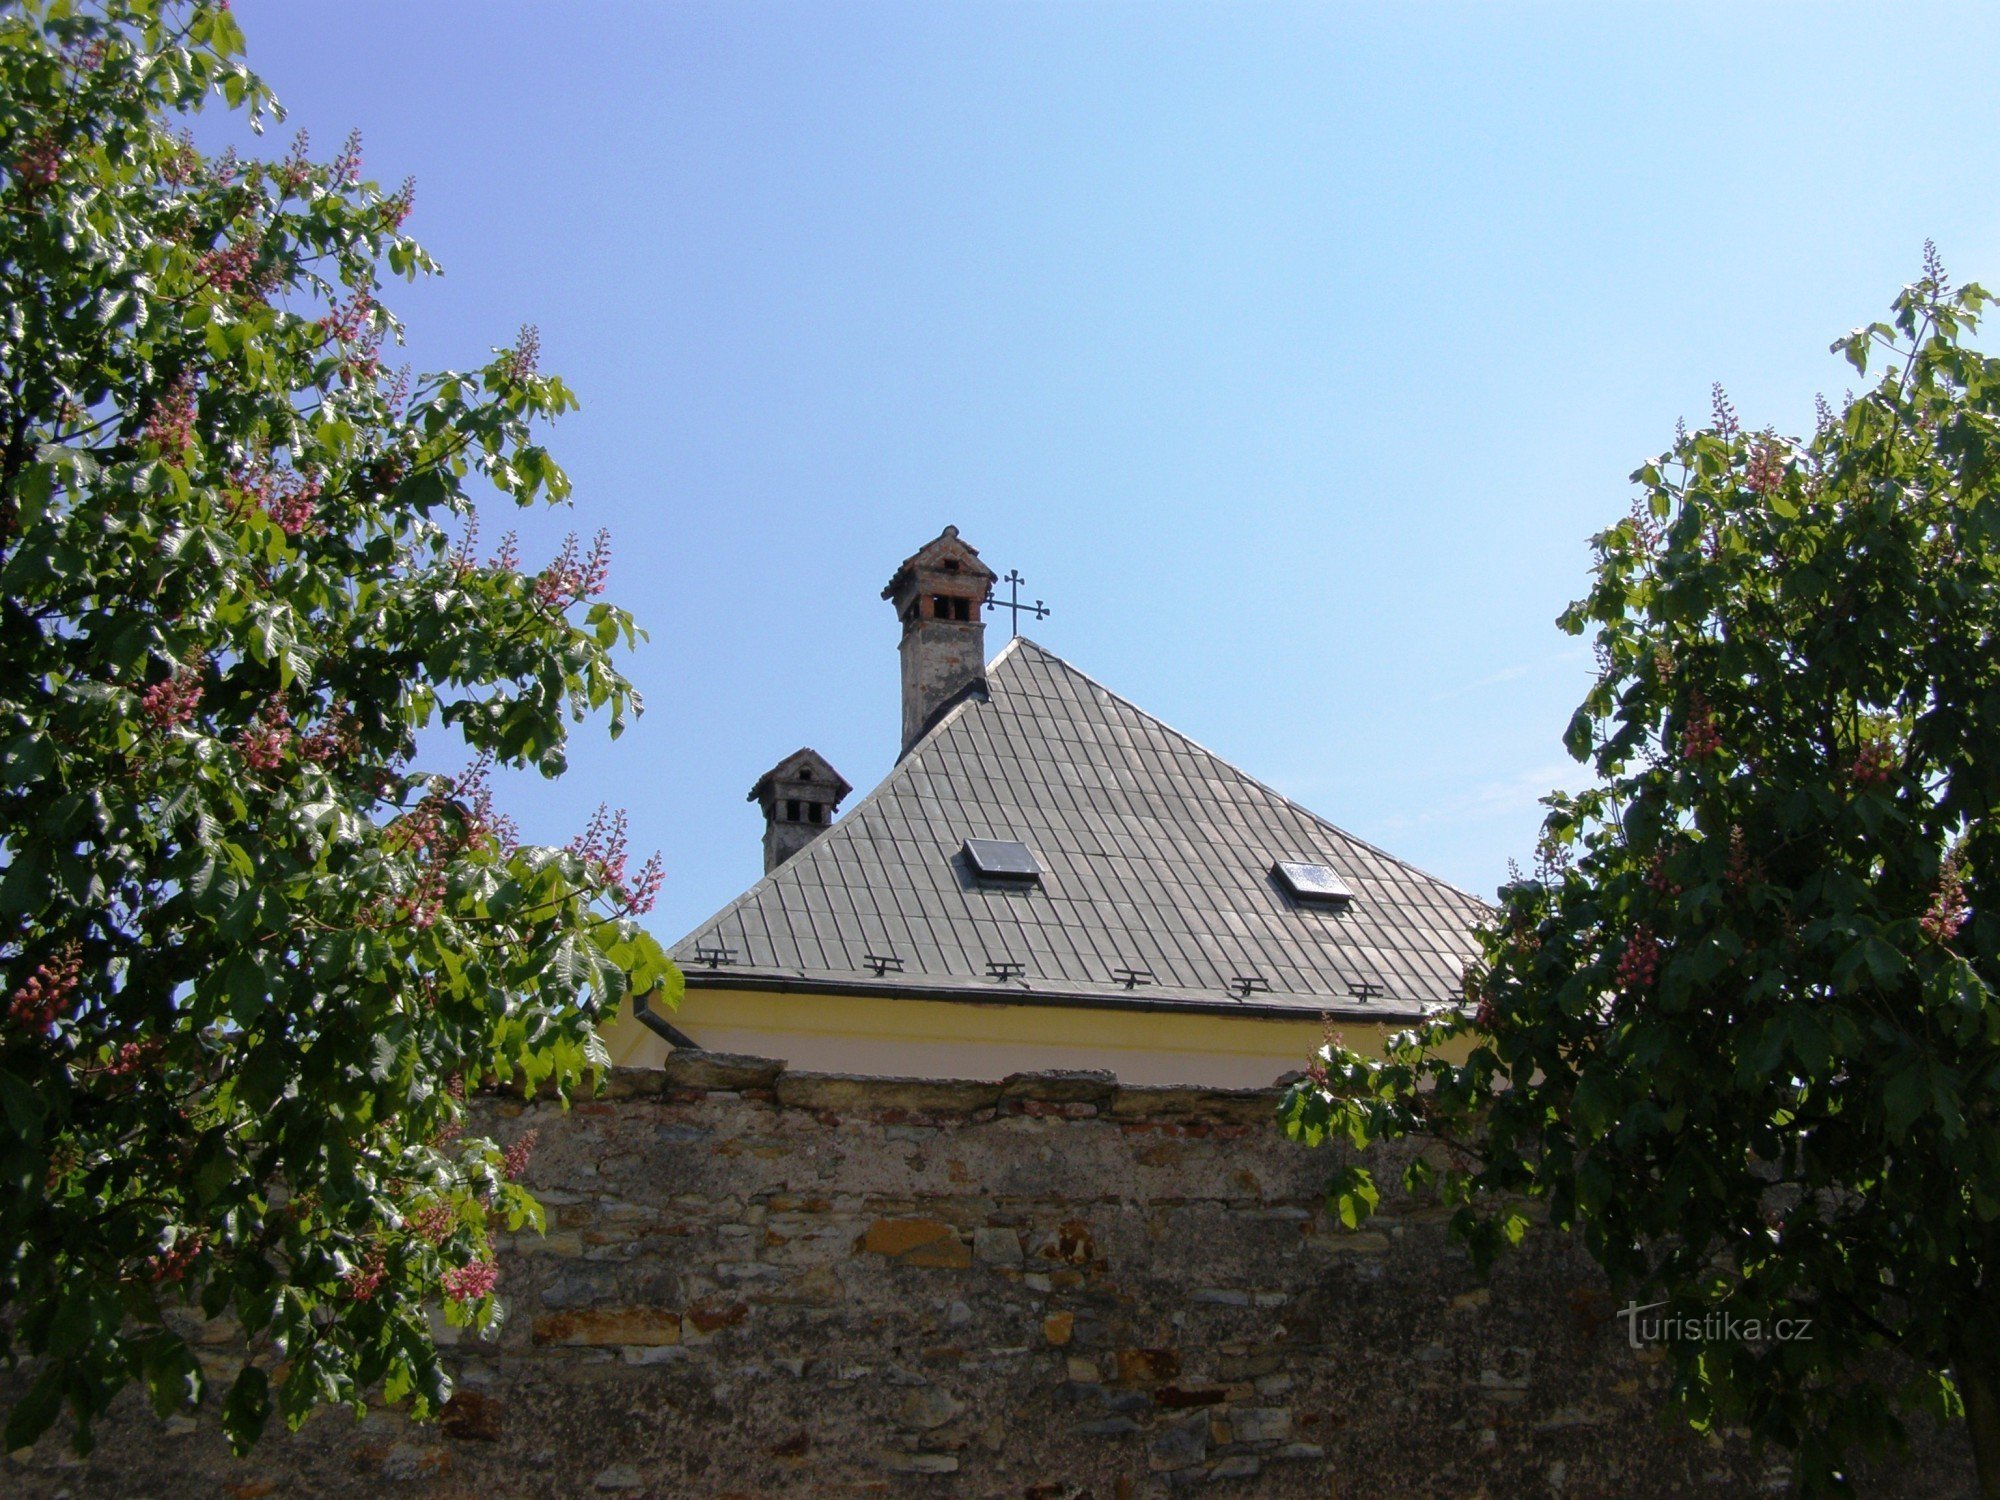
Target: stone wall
(764, 1283)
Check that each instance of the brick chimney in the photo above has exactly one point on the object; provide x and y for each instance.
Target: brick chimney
(939, 593)
(798, 796)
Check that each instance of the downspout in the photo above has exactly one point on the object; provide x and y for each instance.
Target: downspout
(659, 1025)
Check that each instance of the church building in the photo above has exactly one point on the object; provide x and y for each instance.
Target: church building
(1049, 878)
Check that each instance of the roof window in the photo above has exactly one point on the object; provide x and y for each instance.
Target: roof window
(1002, 859)
(1316, 884)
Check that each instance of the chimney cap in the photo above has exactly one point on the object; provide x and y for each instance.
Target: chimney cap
(804, 767)
(944, 554)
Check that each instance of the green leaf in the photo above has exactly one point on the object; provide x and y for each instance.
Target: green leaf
(247, 1409)
(34, 1412)
(1353, 1196)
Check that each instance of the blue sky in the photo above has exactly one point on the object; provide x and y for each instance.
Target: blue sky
(1292, 353)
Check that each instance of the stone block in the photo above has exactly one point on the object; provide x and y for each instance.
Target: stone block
(1148, 1366)
(1222, 1296)
(471, 1417)
(609, 1326)
(1062, 1086)
(917, 1463)
(1261, 1424)
(915, 1242)
(996, 1247)
(719, 1071)
(1191, 1102)
(844, 1092)
(632, 1083)
(929, 1407)
(652, 1354)
(1057, 1327)
(1179, 1445)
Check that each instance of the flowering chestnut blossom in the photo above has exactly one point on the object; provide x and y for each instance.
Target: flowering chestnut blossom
(1639, 966)
(263, 744)
(434, 1222)
(1766, 471)
(470, 1282)
(366, 1277)
(41, 163)
(171, 1264)
(566, 580)
(172, 702)
(288, 497)
(46, 995)
(514, 1161)
(170, 426)
(1700, 739)
(521, 361)
(1946, 914)
(601, 847)
(1873, 764)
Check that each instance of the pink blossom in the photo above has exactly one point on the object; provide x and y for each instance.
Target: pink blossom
(172, 702)
(365, 1278)
(1873, 764)
(1639, 966)
(172, 1264)
(337, 738)
(39, 164)
(263, 745)
(434, 1222)
(397, 208)
(170, 426)
(520, 361)
(1700, 739)
(346, 320)
(347, 165)
(1946, 914)
(131, 1057)
(569, 579)
(514, 1161)
(1766, 471)
(227, 268)
(468, 1283)
(46, 994)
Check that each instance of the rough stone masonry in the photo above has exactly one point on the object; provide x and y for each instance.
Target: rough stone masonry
(758, 1282)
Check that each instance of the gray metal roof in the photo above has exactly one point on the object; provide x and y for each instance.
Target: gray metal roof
(1155, 855)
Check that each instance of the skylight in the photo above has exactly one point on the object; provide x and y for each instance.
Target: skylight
(1002, 859)
(1314, 883)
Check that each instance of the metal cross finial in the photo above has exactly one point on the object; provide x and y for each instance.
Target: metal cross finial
(1014, 580)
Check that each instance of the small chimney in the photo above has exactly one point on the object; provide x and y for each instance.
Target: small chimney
(798, 796)
(939, 593)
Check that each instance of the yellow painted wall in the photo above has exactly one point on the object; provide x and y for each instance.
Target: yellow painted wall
(914, 1038)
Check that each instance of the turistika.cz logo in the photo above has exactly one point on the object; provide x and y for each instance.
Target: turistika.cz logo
(1644, 1326)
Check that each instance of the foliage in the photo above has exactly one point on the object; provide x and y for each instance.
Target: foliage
(1739, 1030)
(253, 957)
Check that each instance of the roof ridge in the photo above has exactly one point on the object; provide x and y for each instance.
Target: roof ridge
(1222, 760)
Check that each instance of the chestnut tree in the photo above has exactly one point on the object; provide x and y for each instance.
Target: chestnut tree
(252, 955)
(1738, 1030)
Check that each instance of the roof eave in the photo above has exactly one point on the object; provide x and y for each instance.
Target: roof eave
(1013, 992)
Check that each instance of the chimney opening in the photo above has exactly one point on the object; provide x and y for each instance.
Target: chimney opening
(791, 809)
